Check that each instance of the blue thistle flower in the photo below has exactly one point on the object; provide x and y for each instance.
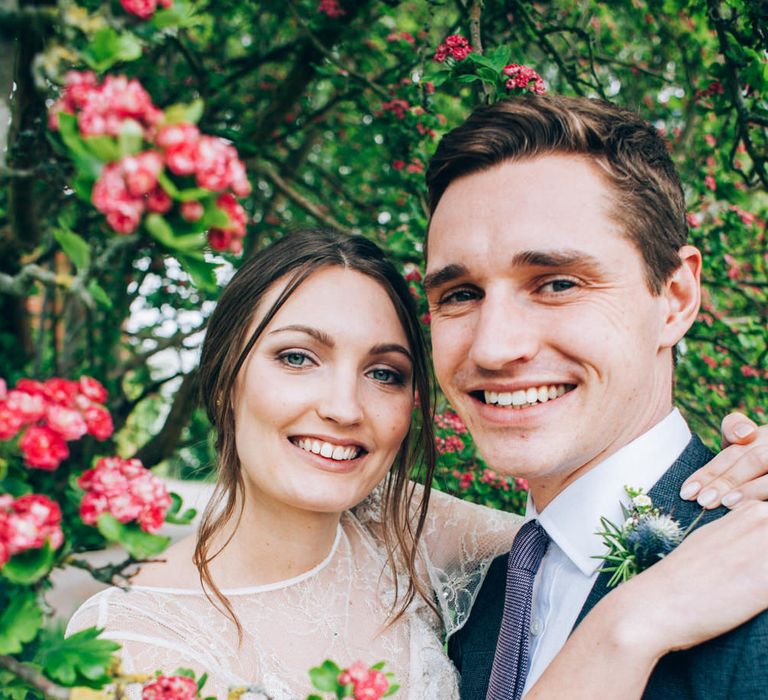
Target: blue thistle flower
(654, 536)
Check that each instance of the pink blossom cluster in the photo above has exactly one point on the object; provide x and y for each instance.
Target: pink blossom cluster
(448, 420)
(401, 36)
(128, 188)
(367, 683)
(125, 489)
(495, 480)
(714, 88)
(455, 47)
(465, 478)
(450, 444)
(170, 688)
(331, 8)
(28, 522)
(397, 106)
(144, 8)
(53, 413)
(523, 78)
(103, 109)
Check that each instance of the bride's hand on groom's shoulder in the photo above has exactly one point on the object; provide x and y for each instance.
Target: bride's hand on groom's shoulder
(716, 580)
(739, 474)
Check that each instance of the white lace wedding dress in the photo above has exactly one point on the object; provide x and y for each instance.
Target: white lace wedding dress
(335, 611)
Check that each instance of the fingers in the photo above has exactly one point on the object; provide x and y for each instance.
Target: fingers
(737, 429)
(736, 475)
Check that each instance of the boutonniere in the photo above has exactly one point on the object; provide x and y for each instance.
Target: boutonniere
(646, 536)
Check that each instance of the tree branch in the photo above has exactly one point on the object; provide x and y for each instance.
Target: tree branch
(34, 678)
(299, 199)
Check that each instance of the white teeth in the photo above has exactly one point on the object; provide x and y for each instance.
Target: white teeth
(328, 450)
(525, 397)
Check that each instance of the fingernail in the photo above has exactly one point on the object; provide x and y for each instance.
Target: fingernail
(689, 490)
(732, 498)
(707, 498)
(742, 430)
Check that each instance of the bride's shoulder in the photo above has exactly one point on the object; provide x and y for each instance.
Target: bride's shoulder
(174, 568)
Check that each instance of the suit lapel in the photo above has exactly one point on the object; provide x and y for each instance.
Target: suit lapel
(666, 495)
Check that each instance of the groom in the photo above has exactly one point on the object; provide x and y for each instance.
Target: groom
(559, 281)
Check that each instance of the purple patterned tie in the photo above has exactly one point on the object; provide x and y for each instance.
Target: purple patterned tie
(510, 664)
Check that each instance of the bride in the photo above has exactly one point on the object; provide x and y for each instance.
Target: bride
(317, 544)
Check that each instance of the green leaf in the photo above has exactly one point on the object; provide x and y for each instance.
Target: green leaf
(20, 622)
(161, 231)
(324, 676)
(13, 688)
(75, 247)
(192, 194)
(202, 273)
(139, 544)
(173, 515)
(108, 47)
(83, 186)
(86, 163)
(392, 690)
(180, 14)
(185, 113)
(99, 295)
(465, 79)
(79, 660)
(103, 147)
(29, 566)
(131, 138)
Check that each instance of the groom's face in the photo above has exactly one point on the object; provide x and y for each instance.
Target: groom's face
(546, 338)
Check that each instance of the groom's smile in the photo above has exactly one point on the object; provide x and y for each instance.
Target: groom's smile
(547, 339)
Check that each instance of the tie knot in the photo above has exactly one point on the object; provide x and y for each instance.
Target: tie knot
(529, 547)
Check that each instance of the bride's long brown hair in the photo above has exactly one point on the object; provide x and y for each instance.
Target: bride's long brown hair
(225, 350)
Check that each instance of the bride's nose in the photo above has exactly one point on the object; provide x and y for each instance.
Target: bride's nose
(340, 399)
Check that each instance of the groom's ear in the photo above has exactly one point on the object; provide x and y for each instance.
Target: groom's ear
(682, 296)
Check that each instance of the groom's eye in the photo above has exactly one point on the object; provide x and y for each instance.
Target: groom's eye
(458, 296)
(557, 286)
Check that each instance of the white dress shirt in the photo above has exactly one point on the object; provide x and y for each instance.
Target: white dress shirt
(568, 570)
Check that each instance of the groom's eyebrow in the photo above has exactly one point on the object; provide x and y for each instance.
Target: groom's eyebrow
(444, 275)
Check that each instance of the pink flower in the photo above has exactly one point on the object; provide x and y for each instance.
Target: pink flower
(412, 273)
(398, 107)
(67, 422)
(158, 201)
(212, 163)
(524, 78)
(10, 421)
(170, 688)
(331, 8)
(126, 490)
(43, 448)
(455, 47)
(709, 183)
(367, 683)
(61, 391)
(191, 211)
(93, 389)
(141, 8)
(693, 220)
(29, 407)
(28, 523)
(219, 239)
(235, 212)
(141, 171)
(98, 422)
(111, 197)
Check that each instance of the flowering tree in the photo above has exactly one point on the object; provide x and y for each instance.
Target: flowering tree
(125, 201)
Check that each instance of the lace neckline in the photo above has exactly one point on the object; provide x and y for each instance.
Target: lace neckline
(264, 588)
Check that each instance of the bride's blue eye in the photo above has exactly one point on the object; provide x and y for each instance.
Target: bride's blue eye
(294, 359)
(385, 376)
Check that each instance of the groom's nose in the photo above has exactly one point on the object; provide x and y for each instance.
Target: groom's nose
(505, 331)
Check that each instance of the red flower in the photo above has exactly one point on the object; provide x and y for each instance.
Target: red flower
(170, 688)
(455, 47)
(10, 421)
(524, 78)
(98, 422)
(28, 523)
(141, 8)
(61, 391)
(141, 171)
(28, 407)
(93, 389)
(43, 448)
(126, 490)
(367, 683)
(331, 8)
(67, 422)
(191, 211)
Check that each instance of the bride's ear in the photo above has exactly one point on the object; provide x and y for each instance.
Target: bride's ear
(682, 293)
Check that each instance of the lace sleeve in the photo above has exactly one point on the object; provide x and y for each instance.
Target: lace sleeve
(459, 542)
(153, 640)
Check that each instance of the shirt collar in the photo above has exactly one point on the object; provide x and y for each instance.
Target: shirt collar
(573, 517)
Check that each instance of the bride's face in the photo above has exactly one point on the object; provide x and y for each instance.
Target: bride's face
(324, 400)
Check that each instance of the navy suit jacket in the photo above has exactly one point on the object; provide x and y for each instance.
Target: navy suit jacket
(732, 666)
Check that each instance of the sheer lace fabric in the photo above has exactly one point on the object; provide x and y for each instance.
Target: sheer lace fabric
(336, 610)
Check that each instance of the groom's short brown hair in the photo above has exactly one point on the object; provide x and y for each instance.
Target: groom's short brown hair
(629, 152)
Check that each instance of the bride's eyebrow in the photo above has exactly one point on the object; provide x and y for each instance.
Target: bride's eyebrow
(384, 348)
(318, 335)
